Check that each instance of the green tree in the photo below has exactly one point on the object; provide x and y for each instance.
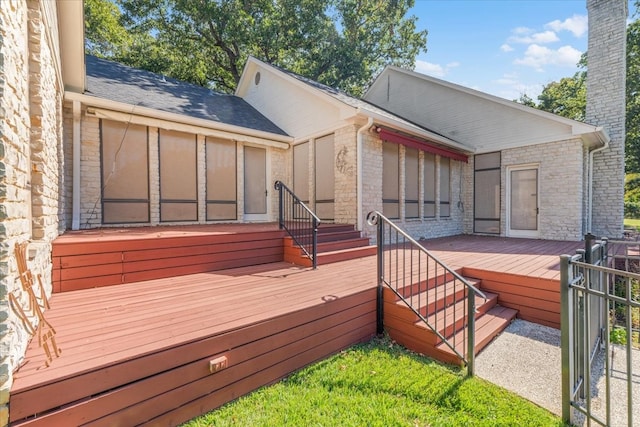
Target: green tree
(632, 145)
(342, 43)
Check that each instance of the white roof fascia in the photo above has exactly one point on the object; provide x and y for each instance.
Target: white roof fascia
(237, 132)
(415, 131)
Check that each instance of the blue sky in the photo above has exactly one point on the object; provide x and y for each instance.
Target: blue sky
(505, 48)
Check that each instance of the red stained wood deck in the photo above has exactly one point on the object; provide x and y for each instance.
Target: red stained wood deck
(138, 353)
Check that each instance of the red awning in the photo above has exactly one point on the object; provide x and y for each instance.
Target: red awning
(387, 135)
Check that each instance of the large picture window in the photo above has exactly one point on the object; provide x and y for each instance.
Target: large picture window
(125, 172)
(486, 194)
(178, 178)
(222, 203)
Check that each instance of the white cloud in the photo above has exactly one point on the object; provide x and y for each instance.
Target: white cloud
(506, 48)
(537, 57)
(577, 25)
(539, 38)
(511, 87)
(435, 70)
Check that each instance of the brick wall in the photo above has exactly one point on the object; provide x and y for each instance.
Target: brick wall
(561, 194)
(606, 107)
(30, 152)
(419, 227)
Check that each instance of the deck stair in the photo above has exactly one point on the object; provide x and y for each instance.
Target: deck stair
(435, 301)
(336, 242)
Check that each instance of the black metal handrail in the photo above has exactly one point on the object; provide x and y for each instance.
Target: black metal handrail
(298, 220)
(414, 274)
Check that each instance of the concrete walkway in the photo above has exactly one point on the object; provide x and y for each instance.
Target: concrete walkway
(526, 360)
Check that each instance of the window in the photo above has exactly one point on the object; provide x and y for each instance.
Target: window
(486, 193)
(222, 201)
(125, 172)
(445, 186)
(325, 178)
(429, 172)
(178, 179)
(412, 183)
(390, 180)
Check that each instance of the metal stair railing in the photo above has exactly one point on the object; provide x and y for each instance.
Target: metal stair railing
(403, 264)
(299, 221)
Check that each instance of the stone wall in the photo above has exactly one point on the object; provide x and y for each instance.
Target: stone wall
(30, 150)
(561, 194)
(606, 105)
(419, 227)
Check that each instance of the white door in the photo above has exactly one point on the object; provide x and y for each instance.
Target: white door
(523, 201)
(255, 184)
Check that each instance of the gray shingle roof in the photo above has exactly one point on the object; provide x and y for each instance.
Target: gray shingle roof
(117, 82)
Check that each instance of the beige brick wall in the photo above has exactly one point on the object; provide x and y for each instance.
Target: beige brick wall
(30, 152)
(606, 107)
(420, 227)
(561, 192)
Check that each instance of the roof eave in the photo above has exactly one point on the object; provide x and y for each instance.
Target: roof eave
(415, 131)
(174, 117)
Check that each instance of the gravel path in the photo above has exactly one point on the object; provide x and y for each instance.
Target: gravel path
(526, 359)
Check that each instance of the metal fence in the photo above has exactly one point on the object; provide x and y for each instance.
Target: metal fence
(600, 294)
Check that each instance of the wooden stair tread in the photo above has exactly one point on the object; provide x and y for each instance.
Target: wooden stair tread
(454, 316)
(487, 326)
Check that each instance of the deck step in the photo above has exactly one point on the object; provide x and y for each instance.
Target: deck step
(444, 307)
(488, 326)
(335, 243)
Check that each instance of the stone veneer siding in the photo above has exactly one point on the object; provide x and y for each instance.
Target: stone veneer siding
(561, 193)
(606, 107)
(278, 168)
(419, 227)
(30, 152)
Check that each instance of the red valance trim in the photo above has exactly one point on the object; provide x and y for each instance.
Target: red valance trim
(387, 135)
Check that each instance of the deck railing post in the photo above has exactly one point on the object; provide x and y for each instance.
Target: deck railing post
(278, 186)
(315, 243)
(588, 247)
(380, 266)
(471, 336)
(565, 336)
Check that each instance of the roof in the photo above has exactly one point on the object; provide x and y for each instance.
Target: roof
(368, 109)
(116, 82)
(471, 117)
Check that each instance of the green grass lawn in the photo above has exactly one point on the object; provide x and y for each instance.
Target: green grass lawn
(379, 384)
(635, 223)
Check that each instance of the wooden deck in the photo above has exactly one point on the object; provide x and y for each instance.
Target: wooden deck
(139, 353)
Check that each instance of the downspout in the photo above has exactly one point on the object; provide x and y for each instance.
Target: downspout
(359, 137)
(75, 206)
(590, 195)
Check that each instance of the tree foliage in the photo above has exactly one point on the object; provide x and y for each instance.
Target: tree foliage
(342, 43)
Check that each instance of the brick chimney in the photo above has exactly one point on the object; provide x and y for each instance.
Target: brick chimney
(606, 106)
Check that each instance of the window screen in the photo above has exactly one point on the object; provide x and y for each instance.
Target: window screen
(222, 193)
(390, 180)
(445, 187)
(125, 172)
(325, 180)
(429, 172)
(486, 197)
(412, 183)
(178, 179)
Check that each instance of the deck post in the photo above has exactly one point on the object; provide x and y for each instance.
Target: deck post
(380, 264)
(565, 336)
(471, 338)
